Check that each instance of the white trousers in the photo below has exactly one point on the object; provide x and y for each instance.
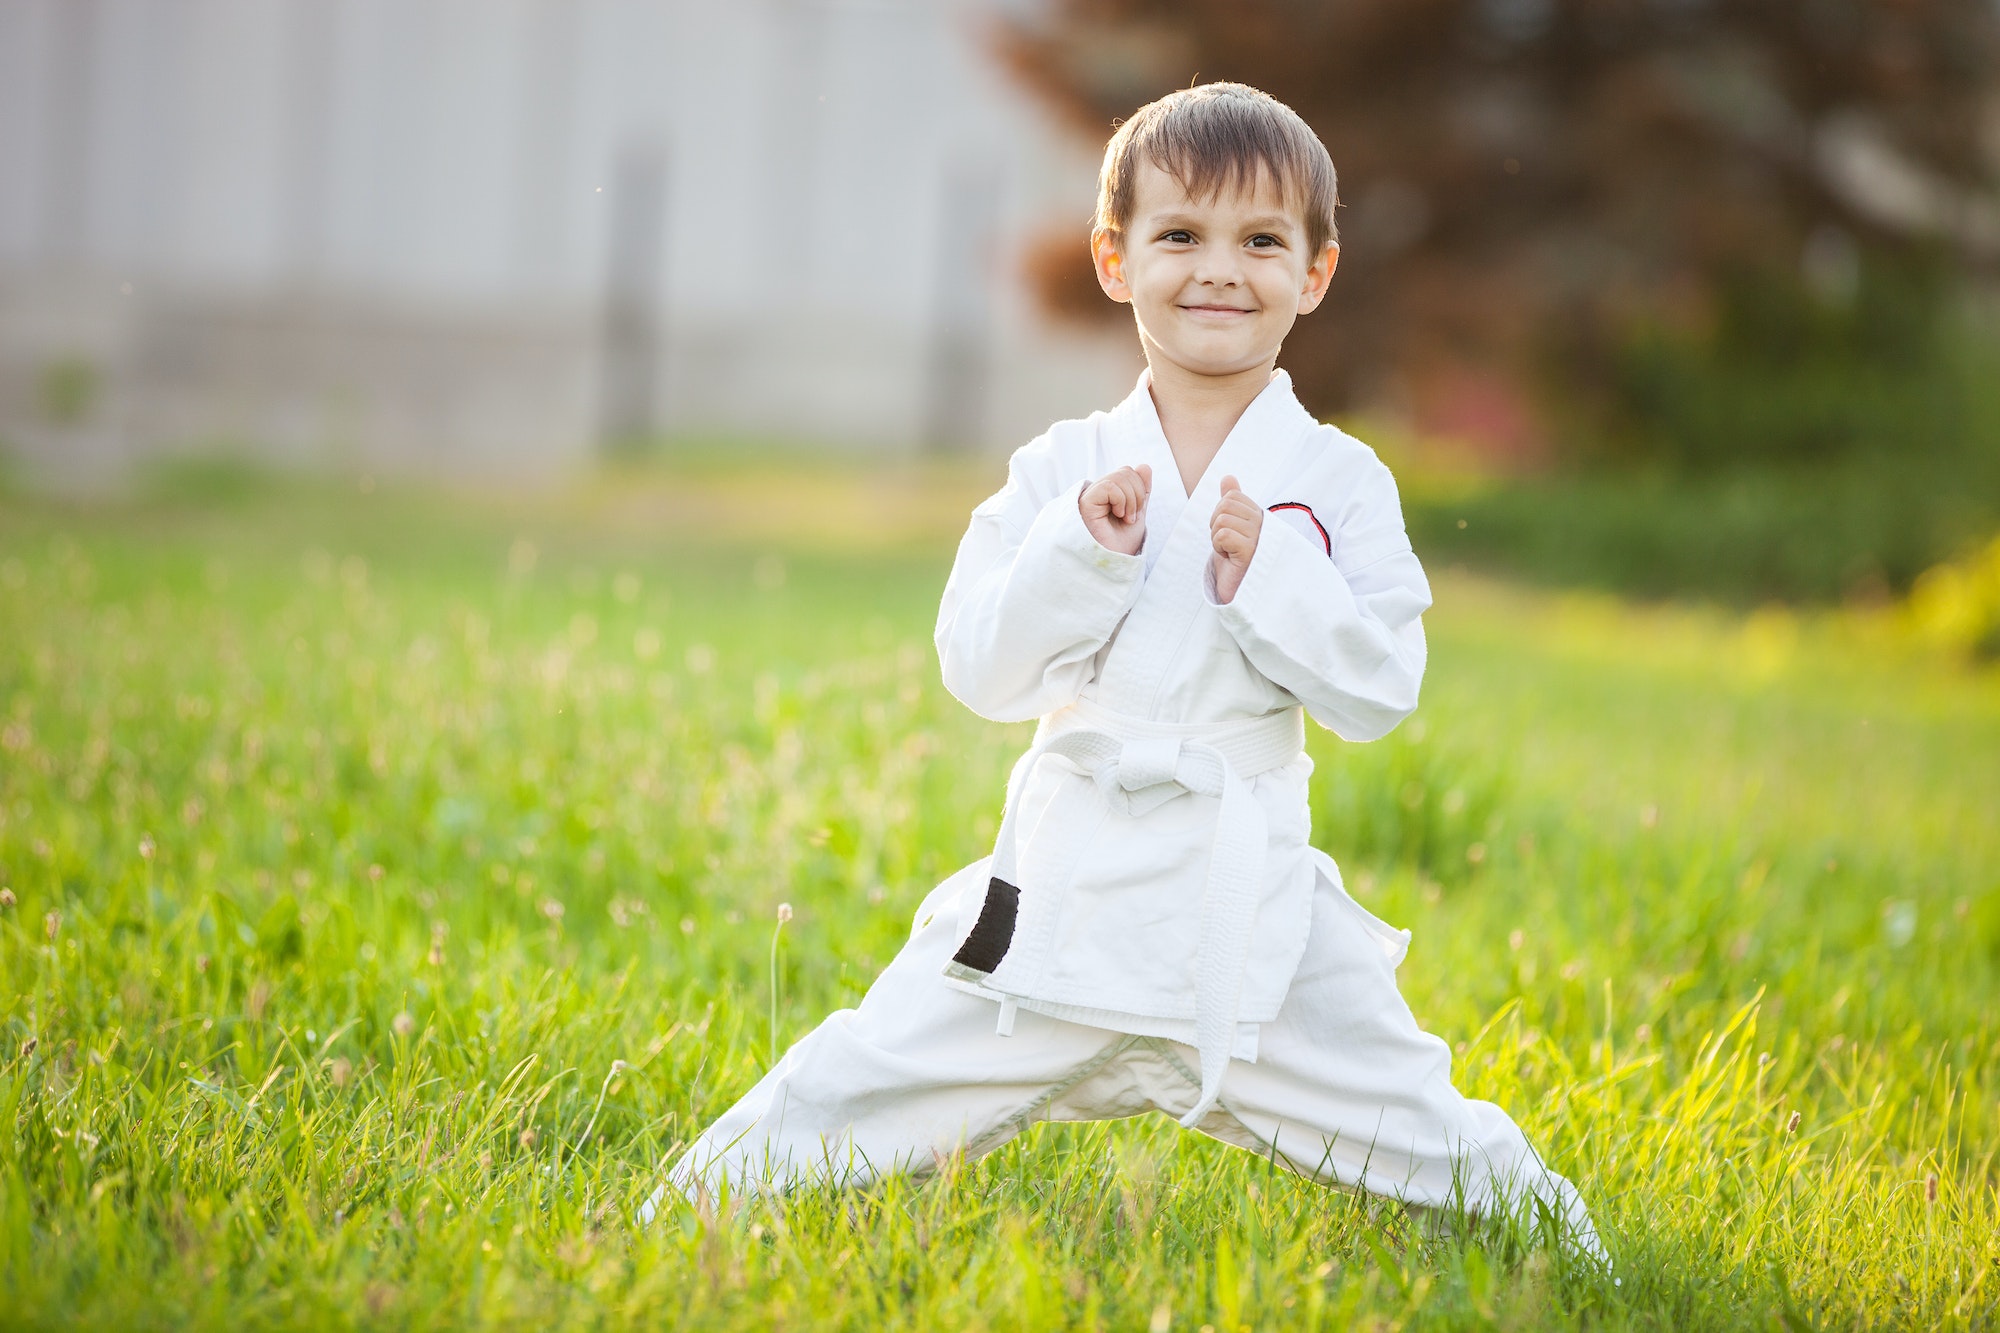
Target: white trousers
(1346, 1088)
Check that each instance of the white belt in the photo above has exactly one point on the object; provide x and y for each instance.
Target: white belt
(1138, 765)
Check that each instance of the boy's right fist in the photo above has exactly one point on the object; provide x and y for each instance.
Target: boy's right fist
(1114, 508)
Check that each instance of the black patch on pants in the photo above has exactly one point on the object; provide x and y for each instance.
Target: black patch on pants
(994, 931)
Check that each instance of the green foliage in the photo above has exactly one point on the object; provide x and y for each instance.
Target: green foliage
(1745, 535)
(393, 887)
(1802, 448)
(1786, 375)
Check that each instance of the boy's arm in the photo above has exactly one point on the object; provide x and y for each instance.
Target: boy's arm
(1344, 635)
(1031, 598)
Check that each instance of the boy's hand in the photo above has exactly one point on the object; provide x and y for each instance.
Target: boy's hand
(1233, 528)
(1114, 508)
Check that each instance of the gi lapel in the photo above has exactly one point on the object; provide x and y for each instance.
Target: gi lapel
(1259, 451)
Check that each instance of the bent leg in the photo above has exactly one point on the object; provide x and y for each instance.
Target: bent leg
(1347, 1089)
(914, 1074)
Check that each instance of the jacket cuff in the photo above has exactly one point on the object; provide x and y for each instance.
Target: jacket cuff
(1069, 531)
(1282, 560)
(1077, 560)
(1290, 587)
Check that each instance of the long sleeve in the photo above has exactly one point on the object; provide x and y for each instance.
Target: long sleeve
(1345, 635)
(1031, 598)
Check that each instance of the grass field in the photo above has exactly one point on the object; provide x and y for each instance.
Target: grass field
(392, 882)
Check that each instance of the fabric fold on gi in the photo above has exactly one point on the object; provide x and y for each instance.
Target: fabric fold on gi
(1135, 767)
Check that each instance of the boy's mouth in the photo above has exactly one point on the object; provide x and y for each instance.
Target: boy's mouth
(1220, 310)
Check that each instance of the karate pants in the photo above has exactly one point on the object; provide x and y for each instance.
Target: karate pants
(1346, 1088)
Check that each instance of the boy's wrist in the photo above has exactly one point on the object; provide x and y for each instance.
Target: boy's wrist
(1090, 529)
(1074, 533)
(1225, 578)
(1113, 508)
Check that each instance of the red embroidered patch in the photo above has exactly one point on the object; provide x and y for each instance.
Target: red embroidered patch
(1294, 508)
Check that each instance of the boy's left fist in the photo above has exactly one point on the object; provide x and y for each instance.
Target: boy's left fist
(1233, 529)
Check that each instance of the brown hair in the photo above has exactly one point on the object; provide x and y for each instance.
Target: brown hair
(1220, 135)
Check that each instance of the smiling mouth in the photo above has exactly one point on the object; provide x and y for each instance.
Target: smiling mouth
(1218, 309)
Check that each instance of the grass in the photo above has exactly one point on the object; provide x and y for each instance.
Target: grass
(395, 881)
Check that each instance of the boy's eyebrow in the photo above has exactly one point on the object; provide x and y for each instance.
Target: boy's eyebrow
(1265, 222)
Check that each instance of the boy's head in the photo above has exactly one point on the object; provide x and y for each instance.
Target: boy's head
(1218, 137)
(1215, 221)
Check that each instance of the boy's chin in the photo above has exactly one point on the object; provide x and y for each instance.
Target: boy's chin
(1212, 353)
(1216, 363)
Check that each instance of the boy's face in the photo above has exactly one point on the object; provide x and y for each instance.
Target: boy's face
(1214, 284)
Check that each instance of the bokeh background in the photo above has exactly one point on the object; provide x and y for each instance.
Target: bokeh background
(1682, 296)
(497, 238)
(476, 478)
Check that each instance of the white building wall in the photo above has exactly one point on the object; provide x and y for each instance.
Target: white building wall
(381, 229)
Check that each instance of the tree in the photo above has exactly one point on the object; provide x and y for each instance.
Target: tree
(1531, 181)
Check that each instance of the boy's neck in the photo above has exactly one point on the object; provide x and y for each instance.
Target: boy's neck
(1197, 411)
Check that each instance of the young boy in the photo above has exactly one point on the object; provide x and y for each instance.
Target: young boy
(1168, 586)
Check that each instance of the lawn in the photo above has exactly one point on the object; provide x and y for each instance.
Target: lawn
(392, 880)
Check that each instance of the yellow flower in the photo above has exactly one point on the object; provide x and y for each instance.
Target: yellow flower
(1956, 606)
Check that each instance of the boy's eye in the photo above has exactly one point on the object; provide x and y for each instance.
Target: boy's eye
(1178, 237)
(1264, 240)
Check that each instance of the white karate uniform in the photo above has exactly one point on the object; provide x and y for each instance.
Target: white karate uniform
(1154, 930)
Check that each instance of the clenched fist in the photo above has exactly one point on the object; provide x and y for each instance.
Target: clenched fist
(1233, 529)
(1114, 508)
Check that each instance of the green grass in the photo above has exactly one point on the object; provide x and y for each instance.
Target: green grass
(355, 842)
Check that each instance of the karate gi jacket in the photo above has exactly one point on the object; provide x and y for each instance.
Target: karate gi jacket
(1153, 872)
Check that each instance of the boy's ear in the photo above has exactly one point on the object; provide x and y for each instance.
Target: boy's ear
(1110, 264)
(1318, 276)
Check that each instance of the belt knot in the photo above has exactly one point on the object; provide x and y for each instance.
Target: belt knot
(1145, 772)
(1147, 761)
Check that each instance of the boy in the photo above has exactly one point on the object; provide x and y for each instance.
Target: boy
(1168, 587)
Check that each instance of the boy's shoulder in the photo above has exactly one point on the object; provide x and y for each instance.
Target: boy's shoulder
(1332, 457)
(1339, 491)
(1069, 450)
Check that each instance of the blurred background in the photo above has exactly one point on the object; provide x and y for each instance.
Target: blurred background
(1668, 295)
(499, 236)
(476, 478)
